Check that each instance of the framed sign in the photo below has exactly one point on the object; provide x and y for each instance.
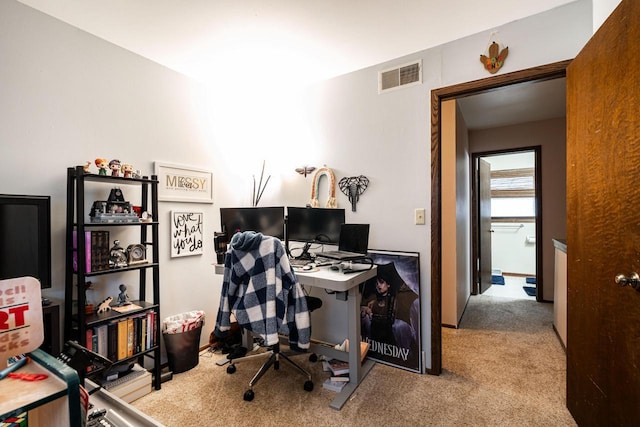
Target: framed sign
(178, 183)
(186, 233)
(22, 329)
(390, 310)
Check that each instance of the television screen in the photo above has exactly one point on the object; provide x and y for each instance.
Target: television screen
(25, 237)
(314, 224)
(268, 221)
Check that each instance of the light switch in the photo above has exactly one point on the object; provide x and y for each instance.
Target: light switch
(420, 213)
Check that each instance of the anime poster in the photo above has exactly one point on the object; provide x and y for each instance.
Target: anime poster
(390, 310)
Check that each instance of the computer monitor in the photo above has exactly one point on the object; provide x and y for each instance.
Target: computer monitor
(268, 221)
(314, 224)
(25, 237)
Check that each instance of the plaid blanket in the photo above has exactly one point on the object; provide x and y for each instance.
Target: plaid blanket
(261, 290)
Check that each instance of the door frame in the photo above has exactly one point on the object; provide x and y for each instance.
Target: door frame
(475, 238)
(544, 72)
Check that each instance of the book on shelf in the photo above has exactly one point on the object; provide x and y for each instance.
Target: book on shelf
(89, 339)
(333, 385)
(96, 250)
(87, 247)
(340, 378)
(112, 341)
(101, 332)
(122, 339)
(130, 337)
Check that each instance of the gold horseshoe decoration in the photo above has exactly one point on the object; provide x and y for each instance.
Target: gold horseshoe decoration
(331, 202)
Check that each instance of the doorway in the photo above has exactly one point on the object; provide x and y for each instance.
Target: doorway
(506, 220)
(547, 72)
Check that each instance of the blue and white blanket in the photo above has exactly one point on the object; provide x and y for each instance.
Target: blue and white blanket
(261, 290)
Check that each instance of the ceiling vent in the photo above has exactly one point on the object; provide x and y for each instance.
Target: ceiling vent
(402, 76)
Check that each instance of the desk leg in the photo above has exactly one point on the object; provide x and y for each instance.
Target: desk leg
(357, 371)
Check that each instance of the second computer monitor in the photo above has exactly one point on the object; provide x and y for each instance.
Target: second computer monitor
(314, 224)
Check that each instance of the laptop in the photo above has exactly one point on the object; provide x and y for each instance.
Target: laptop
(353, 243)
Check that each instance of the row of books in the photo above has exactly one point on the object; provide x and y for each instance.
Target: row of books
(123, 338)
(97, 250)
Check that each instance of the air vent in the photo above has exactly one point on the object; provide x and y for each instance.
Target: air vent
(402, 76)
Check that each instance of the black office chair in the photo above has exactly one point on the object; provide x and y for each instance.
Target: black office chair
(255, 302)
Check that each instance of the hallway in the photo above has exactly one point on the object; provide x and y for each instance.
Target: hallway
(507, 352)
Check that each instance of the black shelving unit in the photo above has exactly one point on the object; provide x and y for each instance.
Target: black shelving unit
(76, 320)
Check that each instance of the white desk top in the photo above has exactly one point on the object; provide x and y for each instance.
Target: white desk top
(327, 278)
(334, 280)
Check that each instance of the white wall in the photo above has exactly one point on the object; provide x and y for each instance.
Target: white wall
(511, 252)
(68, 97)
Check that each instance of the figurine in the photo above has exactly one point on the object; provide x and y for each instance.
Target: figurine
(86, 167)
(123, 298)
(127, 170)
(117, 256)
(104, 306)
(114, 165)
(102, 165)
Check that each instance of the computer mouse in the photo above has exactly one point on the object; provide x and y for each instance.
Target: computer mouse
(307, 267)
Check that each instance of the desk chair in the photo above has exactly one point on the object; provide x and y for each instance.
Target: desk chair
(261, 290)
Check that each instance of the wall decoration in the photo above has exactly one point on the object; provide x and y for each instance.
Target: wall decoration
(305, 170)
(257, 193)
(495, 58)
(332, 202)
(178, 183)
(353, 187)
(186, 233)
(390, 310)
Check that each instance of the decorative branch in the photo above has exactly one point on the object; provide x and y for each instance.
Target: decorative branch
(255, 199)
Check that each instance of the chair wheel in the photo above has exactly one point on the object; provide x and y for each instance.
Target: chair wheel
(248, 395)
(231, 369)
(308, 385)
(313, 358)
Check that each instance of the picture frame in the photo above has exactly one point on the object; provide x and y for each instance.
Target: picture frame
(187, 233)
(180, 183)
(391, 324)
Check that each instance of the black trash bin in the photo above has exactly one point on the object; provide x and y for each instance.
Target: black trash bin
(181, 336)
(182, 349)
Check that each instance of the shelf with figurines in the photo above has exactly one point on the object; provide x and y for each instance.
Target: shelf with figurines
(94, 248)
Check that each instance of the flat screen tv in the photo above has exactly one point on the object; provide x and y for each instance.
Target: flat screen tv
(25, 237)
(268, 221)
(320, 225)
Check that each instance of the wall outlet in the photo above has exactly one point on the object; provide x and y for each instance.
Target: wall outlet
(419, 216)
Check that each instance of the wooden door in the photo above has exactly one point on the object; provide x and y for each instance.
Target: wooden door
(603, 223)
(484, 224)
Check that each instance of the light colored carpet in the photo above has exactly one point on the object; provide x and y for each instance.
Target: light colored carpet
(503, 367)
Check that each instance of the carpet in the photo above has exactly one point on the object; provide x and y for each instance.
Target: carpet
(497, 280)
(530, 290)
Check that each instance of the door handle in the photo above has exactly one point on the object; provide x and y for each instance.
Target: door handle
(633, 280)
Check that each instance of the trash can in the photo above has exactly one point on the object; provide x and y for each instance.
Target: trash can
(181, 334)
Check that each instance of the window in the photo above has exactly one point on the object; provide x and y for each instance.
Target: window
(513, 193)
